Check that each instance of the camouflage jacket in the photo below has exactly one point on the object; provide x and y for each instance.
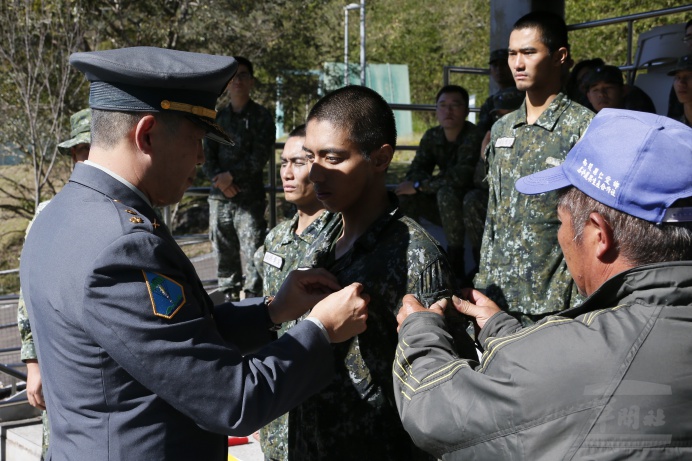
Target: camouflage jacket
(485, 120)
(522, 267)
(254, 134)
(28, 351)
(355, 417)
(456, 160)
(284, 249)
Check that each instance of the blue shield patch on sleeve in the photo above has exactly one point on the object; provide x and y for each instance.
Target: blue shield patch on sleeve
(167, 296)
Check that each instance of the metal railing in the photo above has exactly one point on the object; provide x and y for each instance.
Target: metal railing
(629, 67)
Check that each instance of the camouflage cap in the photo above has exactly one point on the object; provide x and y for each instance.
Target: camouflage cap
(80, 131)
(606, 74)
(684, 63)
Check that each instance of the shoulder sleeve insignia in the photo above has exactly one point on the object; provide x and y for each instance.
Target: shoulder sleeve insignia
(167, 296)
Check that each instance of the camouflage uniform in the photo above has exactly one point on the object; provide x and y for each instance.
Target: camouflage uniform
(457, 163)
(485, 118)
(282, 241)
(522, 267)
(355, 417)
(28, 351)
(475, 211)
(237, 225)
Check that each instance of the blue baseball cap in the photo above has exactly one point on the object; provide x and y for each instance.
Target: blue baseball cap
(634, 162)
(149, 79)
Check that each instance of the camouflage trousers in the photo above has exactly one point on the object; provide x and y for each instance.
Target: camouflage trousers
(45, 436)
(274, 439)
(236, 232)
(475, 210)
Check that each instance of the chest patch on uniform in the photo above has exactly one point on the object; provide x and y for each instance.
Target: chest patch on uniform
(504, 142)
(167, 296)
(273, 260)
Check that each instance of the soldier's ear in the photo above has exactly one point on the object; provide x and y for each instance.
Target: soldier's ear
(382, 157)
(560, 56)
(142, 133)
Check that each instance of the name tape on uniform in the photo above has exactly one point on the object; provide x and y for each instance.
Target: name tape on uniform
(273, 260)
(504, 142)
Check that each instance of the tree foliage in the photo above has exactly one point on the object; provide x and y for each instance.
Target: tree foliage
(37, 39)
(287, 40)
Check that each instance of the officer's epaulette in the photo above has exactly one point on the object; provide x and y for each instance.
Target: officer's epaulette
(133, 219)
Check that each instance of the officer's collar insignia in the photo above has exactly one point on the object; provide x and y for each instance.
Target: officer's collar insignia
(136, 220)
(131, 212)
(167, 296)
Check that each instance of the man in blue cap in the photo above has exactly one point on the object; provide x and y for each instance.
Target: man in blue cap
(608, 379)
(137, 361)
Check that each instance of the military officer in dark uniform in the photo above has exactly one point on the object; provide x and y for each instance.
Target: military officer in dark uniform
(137, 361)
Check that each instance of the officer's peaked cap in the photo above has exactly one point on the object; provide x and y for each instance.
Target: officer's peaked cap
(149, 79)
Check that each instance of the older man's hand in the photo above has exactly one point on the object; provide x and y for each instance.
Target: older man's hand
(410, 304)
(477, 305)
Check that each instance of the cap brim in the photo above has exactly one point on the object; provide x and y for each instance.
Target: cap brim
(214, 131)
(81, 138)
(543, 181)
(678, 69)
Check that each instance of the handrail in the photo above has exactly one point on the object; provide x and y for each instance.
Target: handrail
(12, 372)
(630, 17)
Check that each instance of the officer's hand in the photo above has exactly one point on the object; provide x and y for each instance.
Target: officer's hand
(405, 188)
(343, 313)
(478, 306)
(34, 386)
(410, 304)
(222, 180)
(300, 291)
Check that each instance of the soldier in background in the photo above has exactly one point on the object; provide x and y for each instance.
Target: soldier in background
(237, 200)
(476, 200)
(606, 89)
(78, 148)
(453, 148)
(283, 248)
(522, 268)
(682, 85)
(502, 76)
